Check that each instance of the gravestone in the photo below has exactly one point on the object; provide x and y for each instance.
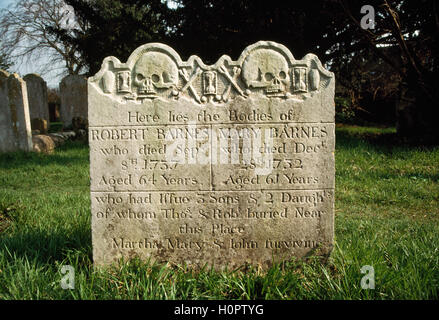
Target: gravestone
(15, 129)
(226, 164)
(37, 98)
(73, 92)
(39, 125)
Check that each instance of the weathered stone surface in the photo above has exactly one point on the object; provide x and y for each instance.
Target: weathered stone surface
(40, 125)
(47, 143)
(224, 164)
(15, 129)
(73, 92)
(79, 123)
(37, 97)
(43, 143)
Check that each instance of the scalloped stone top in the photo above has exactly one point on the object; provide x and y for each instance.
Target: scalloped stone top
(265, 68)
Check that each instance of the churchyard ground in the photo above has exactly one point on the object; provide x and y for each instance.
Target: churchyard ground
(386, 217)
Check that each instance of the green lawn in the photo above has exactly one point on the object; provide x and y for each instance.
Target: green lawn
(387, 216)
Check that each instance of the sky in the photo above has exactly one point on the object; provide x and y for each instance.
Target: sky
(4, 3)
(52, 78)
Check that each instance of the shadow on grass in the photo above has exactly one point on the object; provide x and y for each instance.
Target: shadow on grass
(72, 152)
(380, 140)
(44, 247)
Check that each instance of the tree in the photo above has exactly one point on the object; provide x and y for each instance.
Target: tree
(115, 28)
(395, 61)
(405, 38)
(203, 27)
(24, 34)
(4, 61)
(212, 27)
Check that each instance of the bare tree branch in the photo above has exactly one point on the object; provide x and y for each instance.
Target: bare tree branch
(397, 34)
(370, 37)
(24, 35)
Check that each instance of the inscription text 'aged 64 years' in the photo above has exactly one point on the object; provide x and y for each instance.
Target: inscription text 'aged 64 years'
(226, 164)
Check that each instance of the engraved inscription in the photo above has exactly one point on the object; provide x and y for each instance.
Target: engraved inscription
(227, 164)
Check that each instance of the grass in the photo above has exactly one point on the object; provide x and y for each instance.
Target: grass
(387, 214)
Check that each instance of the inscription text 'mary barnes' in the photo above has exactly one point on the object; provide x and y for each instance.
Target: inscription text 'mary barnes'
(225, 164)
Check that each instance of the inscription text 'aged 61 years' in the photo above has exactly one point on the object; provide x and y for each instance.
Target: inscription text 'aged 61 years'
(225, 164)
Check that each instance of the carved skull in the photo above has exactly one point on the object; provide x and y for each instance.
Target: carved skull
(154, 70)
(265, 68)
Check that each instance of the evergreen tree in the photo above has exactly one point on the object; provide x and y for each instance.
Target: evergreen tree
(116, 28)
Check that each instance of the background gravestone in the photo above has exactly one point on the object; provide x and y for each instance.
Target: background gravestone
(37, 98)
(15, 130)
(223, 164)
(73, 92)
(39, 125)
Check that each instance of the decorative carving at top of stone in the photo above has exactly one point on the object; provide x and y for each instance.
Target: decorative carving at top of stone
(156, 71)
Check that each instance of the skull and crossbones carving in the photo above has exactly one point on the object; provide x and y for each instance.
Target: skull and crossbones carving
(267, 69)
(154, 70)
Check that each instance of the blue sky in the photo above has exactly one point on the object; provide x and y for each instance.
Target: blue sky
(4, 3)
(52, 78)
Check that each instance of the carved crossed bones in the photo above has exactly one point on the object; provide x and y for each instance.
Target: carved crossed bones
(232, 82)
(236, 72)
(189, 81)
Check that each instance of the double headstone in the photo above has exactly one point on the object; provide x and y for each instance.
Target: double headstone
(225, 164)
(15, 129)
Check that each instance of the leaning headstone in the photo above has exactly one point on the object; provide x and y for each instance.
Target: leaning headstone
(37, 98)
(226, 164)
(73, 92)
(15, 129)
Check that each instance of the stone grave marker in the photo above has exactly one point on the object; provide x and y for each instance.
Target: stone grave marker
(37, 98)
(73, 92)
(226, 164)
(15, 129)
(40, 125)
